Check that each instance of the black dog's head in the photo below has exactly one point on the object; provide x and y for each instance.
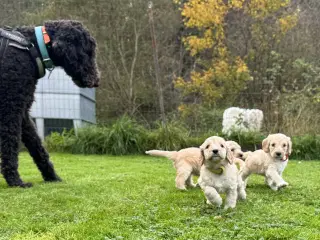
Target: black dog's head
(74, 49)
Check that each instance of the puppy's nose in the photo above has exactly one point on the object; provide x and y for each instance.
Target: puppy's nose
(240, 155)
(215, 151)
(278, 154)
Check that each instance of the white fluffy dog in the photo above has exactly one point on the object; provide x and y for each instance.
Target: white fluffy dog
(269, 162)
(243, 120)
(219, 174)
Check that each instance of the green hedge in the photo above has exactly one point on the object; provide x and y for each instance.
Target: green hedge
(126, 136)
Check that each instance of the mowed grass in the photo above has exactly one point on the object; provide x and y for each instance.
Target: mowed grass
(134, 197)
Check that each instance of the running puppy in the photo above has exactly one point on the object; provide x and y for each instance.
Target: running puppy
(238, 155)
(187, 163)
(270, 161)
(219, 174)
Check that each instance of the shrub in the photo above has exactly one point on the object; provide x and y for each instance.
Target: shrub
(126, 136)
(249, 141)
(306, 147)
(91, 140)
(170, 136)
(60, 142)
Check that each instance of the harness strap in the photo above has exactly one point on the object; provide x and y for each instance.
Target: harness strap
(3, 46)
(17, 40)
(15, 36)
(35, 55)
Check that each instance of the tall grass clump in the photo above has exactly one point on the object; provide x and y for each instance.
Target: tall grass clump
(169, 136)
(60, 142)
(126, 136)
(91, 140)
(306, 147)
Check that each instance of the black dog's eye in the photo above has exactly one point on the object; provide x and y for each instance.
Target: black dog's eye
(273, 144)
(232, 149)
(284, 145)
(222, 146)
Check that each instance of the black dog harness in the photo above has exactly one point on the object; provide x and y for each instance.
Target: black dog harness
(11, 38)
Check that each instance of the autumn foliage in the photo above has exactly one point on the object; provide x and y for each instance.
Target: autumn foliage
(218, 72)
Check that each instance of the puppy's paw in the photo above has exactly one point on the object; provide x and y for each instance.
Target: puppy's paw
(273, 187)
(242, 196)
(226, 207)
(282, 185)
(182, 188)
(208, 202)
(218, 205)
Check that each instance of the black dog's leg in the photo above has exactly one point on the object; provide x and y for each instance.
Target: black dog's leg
(40, 156)
(10, 133)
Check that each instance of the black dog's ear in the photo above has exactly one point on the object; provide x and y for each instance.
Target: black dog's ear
(62, 50)
(58, 47)
(57, 44)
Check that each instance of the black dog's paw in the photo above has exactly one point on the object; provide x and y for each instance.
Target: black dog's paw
(53, 179)
(22, 185)
(26, 185)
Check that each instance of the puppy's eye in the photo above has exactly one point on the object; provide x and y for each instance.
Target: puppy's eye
(222, 146)
(284, 145)
(207, 146)
(232, 149)
(273, 145)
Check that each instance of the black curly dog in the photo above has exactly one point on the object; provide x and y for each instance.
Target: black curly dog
(73, 49)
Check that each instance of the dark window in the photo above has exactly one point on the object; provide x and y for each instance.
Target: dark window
(56, 125)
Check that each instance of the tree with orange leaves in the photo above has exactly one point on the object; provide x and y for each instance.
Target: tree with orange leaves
(218, 72)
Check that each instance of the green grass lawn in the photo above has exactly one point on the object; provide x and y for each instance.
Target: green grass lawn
(134, 197)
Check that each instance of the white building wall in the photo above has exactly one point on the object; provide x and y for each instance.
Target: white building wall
(57, 97)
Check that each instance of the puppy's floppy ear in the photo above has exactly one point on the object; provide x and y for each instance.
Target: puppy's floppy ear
(265, 145)
(289, 146)
(230, 156)
(202, 148)
(204, 145)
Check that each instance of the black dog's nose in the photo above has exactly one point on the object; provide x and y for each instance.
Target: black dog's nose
(215, 151)
(278, 154)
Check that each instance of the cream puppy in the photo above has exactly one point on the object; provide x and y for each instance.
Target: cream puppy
(238, 155)
(187, 163)
(270, 161)
(219, 174)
